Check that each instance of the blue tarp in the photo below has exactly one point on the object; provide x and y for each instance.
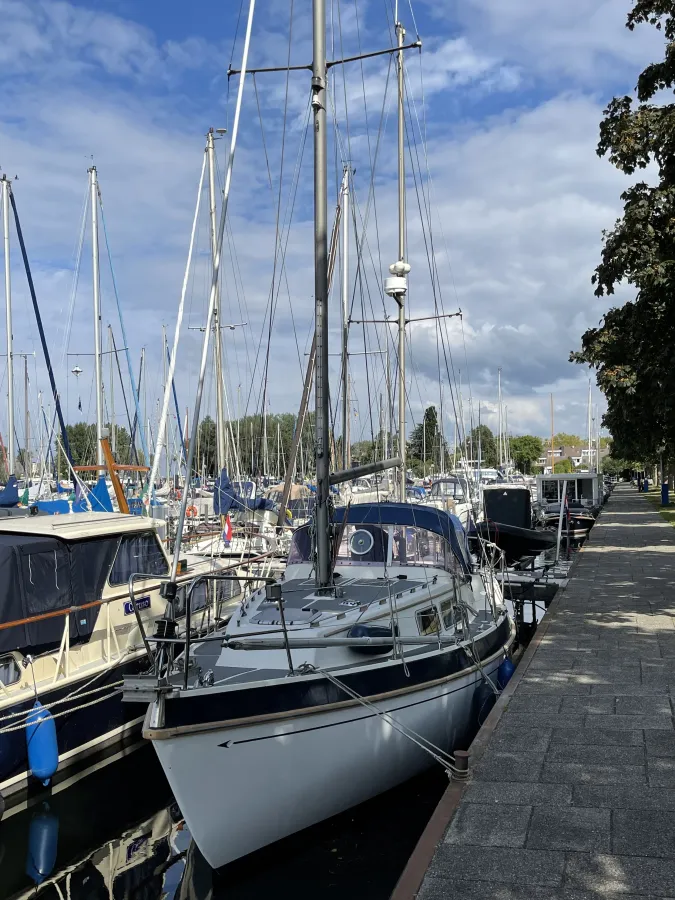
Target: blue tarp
(225, 498)
(99, 498)
(411, 515)
(10, 495)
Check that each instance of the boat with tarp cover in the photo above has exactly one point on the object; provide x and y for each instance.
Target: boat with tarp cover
(69, 630)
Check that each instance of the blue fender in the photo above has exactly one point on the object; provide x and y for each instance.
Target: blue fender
(43, 750)
(504, 672)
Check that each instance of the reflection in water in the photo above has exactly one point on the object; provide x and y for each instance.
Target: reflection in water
(116, 835)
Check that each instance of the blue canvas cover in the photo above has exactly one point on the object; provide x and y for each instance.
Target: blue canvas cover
(226, 499)
(98, 497)
(10, 495)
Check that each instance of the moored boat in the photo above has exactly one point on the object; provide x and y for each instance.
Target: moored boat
(320, 699)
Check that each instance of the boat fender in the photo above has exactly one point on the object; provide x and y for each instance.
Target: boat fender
(43, 839)
(504, 672)
(43, 751)
(378, 631)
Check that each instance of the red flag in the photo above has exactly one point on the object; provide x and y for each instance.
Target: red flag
(227, 531)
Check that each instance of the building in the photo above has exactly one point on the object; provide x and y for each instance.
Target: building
(578, 456)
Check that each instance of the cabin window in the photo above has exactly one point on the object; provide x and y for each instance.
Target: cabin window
(549, 491)
(138, 554)
(362, 543)
(202, 594)
(10, 672)
(448, 614)
(46, 579)
(427, 621)
(420, 547)
(585, 486)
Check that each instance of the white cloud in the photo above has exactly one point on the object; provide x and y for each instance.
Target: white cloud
(584, 41)
(519, 196)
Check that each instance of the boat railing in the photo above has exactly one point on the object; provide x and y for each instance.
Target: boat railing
(63, 660)
(168, 637)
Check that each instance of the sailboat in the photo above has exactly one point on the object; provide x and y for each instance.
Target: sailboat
(360, 667)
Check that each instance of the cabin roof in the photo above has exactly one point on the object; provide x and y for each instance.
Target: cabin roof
(568, 476)
(75, 526)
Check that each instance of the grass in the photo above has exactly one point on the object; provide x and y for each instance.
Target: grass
(666, 512)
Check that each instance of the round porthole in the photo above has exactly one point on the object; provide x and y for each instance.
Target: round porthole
(361, 542)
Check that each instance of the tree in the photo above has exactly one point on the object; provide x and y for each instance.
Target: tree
(525, 450)
(482, 437)
(562, 439)
(563, 467)
(426, 441)
(631, 349)
(208, 446)
(612, 466)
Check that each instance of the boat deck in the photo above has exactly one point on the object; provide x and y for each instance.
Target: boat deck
(572, 794)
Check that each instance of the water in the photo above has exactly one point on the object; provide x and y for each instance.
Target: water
(118, 834)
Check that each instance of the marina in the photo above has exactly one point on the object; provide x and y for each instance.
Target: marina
(336, 533)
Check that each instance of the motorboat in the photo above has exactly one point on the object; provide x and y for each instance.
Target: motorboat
(579, 493)
(516, 542)
(452, 494)
(75, 593)
(507, 522)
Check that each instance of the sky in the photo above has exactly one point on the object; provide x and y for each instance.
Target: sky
(506, 197)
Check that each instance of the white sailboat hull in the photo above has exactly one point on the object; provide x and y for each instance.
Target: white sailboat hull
(241, 788)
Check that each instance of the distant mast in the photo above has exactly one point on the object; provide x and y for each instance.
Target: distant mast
(8, 321)
(96, 281)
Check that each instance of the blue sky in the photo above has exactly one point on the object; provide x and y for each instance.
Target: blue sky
(513, 91)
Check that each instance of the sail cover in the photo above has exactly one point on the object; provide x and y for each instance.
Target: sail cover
(226, 499)
(10, 495)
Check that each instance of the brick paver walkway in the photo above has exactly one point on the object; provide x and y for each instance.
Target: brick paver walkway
(574, 797)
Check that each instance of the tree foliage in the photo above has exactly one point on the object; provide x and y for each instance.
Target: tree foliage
(563, 439)
(427, 448)
(632, 347)
(482, 438)
(612, 466)
(525, 450)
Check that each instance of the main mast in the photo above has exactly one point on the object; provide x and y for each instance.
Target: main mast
(322, 431)
(396, 286)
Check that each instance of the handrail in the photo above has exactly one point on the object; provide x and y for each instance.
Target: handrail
(188, 607)
(54, 613)
(104, 600)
